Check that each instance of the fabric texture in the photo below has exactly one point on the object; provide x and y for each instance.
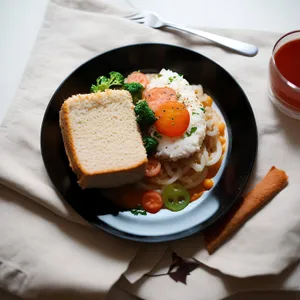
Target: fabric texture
(48, 251)
(209, 284)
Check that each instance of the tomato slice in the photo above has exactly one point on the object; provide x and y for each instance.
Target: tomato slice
(173, 119)
(175, 197)
(156, 96)
(153, 167)
(152, 202)
(138, 77)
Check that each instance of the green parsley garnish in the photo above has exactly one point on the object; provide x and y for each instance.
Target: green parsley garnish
(194, 113)
(203, 109)
(172, 78)
(159, 75)
(157, 135)
(193, 129)
(138, 211)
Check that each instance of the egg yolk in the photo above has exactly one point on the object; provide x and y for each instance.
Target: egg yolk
(173, 119)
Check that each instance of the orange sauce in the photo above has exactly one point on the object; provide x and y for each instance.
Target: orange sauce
(197, 191)
(127, 196)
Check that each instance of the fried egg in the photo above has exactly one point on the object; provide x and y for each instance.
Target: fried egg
(175, 148)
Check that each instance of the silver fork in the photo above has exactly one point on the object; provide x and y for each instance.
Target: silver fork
(153, 20)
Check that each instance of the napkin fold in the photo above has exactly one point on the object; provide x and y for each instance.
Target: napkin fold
(45, 251)
(201, 282)
(44, 256)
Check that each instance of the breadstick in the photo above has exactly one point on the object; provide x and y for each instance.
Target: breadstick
(262, 193)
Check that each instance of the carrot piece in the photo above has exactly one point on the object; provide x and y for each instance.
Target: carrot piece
(208, 101)
(208, 183)
(221, 127)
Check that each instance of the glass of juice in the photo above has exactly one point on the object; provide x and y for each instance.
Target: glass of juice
(284, 74)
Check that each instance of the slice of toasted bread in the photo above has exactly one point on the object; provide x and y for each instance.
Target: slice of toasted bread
(102, 139)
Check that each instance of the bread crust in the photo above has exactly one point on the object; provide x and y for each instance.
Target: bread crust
(115, 175)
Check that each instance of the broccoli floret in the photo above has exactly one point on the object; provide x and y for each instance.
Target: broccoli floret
(135, 89)
(116, 78)
(144, 114)
(103, 83)
(150, 143)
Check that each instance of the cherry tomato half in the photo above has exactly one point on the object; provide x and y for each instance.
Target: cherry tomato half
(173, 119)
(152, 202)
(175, 197)
(153, 167)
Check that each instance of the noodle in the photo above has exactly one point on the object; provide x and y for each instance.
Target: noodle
(213, 132)
(215, 156)
(167, 175)
(196, 180)
(203, 158)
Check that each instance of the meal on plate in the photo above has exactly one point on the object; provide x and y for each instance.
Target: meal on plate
(155, 138)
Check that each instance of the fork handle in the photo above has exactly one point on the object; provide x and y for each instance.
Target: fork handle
(240, 47)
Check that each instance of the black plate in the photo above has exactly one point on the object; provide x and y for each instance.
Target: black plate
(196, 68)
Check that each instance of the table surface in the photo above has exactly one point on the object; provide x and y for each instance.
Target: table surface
(20, 21)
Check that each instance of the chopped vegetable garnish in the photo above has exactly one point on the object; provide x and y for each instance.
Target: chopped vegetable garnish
(139, 211)
(193, 129)
(157, 135)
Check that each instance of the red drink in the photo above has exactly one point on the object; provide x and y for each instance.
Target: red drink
(284, 70)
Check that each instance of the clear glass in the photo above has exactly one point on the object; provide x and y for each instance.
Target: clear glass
(284, 94)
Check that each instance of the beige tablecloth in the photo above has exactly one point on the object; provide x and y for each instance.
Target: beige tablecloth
(48, 251)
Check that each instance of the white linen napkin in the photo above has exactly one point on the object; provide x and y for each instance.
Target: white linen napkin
(41, 252)
(203, 282)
